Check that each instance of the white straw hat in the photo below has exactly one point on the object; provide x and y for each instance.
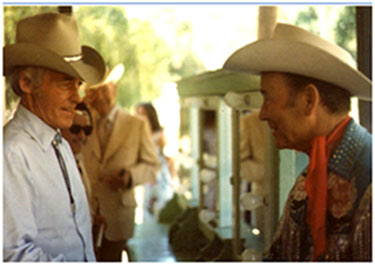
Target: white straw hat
(294, 50)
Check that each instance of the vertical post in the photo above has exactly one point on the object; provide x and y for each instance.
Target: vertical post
(236, 182)
(68, 10)
(4, 101)
(225, 163)
(195, 129)
(364, 55)
(271, 187)
(267, 19)
(266, 22)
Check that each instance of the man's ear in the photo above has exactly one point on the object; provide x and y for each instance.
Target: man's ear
(312, 98)
(25, 84)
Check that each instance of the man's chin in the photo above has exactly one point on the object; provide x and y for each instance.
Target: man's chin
(66, 124)
(283, 145)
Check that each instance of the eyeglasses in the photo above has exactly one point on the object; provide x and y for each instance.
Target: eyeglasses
(76, 129)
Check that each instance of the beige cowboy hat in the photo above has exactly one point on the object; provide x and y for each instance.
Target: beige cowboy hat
(294, 50)
(52, 41)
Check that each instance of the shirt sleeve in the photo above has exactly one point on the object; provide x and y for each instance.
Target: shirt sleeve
(362, 234)
(20, 203)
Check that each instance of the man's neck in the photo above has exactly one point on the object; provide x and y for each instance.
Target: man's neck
(325, 124)
(329, 122)
(28, 103)
(107, 112)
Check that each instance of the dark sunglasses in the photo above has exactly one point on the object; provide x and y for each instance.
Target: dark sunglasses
(76, 129)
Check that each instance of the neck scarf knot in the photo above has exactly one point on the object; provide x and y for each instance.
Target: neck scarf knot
(316, 185)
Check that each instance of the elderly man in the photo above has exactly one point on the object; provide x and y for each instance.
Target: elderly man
(46, 214)
(306, 84)
(121, 155)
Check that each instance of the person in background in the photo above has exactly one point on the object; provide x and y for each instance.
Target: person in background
(252, 161)
(161, 191)
(306, 84)
(121, 156)
(45, 212)
(76, 135)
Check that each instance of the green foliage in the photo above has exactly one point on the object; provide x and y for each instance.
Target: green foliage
(308, 20)
(345, 30)
(107, 30)
(147, 58)
(149, 62)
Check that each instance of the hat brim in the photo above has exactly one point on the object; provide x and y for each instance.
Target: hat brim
(90, 69)
(299, 58)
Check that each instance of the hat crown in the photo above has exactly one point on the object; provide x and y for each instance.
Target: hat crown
(292, 33)
(56, 32)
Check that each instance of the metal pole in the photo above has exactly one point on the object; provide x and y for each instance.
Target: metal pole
(267, 20)
(364, 55)
(236, 182)
(271, 187)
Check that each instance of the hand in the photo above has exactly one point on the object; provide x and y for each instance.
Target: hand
(119, 180)
(99, 220)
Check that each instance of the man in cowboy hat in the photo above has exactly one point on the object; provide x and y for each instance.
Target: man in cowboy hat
(306, 84)
(46, 213)
(121, 155)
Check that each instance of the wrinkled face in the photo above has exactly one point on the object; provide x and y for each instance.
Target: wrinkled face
(55, 100)
(102, 99)
(286, 120)
(77, 139)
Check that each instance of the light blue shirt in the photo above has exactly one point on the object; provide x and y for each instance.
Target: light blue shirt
(39, 224)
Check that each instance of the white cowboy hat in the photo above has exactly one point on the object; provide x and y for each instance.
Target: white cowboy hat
(294, 50)
(111, 76)
(52, 41)
(115, 74)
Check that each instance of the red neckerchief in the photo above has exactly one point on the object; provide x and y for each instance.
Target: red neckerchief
(316, 185)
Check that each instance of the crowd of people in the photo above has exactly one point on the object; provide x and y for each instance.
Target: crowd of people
(70, 164)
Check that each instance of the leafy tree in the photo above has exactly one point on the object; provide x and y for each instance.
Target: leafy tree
(147, 58)
(185, 63)
(107, 29)
(308, 19)
(345, 30)
(149, 62)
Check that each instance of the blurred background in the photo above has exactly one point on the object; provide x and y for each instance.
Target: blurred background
(161, 45)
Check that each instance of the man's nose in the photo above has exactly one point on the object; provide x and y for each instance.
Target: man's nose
(76, 98)
(82, 135)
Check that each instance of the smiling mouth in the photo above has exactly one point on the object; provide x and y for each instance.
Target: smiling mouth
(69, 110)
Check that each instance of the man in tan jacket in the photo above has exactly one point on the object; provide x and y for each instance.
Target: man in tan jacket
(119, 155)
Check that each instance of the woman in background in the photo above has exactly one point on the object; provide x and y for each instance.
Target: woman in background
(160, 192)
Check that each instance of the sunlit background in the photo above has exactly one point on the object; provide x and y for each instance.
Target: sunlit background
(162, 44)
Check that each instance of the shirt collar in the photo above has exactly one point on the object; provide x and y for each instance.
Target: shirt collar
(112, 114)
(35, 127)
(343, 157)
